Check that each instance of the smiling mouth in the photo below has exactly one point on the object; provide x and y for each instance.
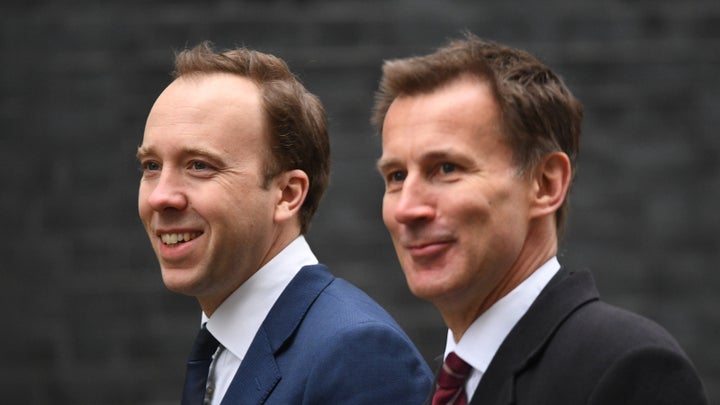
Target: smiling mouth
(172, 239)
(425, 244)
(427, 249)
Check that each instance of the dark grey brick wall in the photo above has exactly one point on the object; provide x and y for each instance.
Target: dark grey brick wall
(87, 319)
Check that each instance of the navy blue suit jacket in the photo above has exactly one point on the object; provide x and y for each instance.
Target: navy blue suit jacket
(326, 342)
(571, 348)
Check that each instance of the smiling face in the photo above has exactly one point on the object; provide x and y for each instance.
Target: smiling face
(201, 198)
(457, 210)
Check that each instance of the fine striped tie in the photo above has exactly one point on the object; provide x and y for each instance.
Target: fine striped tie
(450, 388)
(198, 366)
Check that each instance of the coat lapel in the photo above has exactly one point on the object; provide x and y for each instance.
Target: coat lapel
(565, 293)
(258, 373)
(436, 365)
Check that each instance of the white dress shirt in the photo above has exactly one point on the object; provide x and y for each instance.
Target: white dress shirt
(485, 335)
(237, 320)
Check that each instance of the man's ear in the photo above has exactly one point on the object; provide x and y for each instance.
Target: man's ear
(551, 181)
(293, 186)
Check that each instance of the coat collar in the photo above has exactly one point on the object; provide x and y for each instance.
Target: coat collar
(258, 372)
(565, 293)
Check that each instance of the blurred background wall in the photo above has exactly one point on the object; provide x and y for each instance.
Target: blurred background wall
(86, 317)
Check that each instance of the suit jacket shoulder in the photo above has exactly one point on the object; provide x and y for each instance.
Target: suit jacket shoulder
(572, 348)
(325, 341)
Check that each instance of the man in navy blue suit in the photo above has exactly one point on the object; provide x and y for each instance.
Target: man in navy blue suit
(479, 143)
(235, 159)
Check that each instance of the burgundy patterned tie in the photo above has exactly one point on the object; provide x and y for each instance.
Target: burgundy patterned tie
(450, 388)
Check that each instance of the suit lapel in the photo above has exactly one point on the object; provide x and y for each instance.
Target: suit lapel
(258, 373)
(436, 365)
(565, 293)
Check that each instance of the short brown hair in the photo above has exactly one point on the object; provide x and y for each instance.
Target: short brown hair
(538, 113)
(296, 117)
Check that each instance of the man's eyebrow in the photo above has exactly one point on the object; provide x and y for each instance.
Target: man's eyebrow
(209, 154)
(430, 156)
(440, 154)
(383, 164)
(205, 153)
(143, 151)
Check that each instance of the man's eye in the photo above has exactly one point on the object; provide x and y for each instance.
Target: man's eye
(397, 176)
(447, 167)
(150, 166)
(197, 165)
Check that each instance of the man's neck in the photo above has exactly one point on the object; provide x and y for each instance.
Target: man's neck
(459, 315)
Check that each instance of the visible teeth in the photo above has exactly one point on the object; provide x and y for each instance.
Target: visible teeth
(175, 238)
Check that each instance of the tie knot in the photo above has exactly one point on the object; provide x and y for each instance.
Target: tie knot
(458, 365)
(454, 371)
(449, 388)
(204, 347)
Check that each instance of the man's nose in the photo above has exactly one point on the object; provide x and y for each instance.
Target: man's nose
(168, 192)
(415, 201)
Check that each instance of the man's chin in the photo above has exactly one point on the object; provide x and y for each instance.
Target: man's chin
(432, 283)
(425, 288)
(181, 281)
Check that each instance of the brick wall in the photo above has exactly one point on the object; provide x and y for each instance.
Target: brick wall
(82, 297)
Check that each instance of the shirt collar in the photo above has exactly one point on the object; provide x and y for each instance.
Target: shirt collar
(485, 335)
(237, 320)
